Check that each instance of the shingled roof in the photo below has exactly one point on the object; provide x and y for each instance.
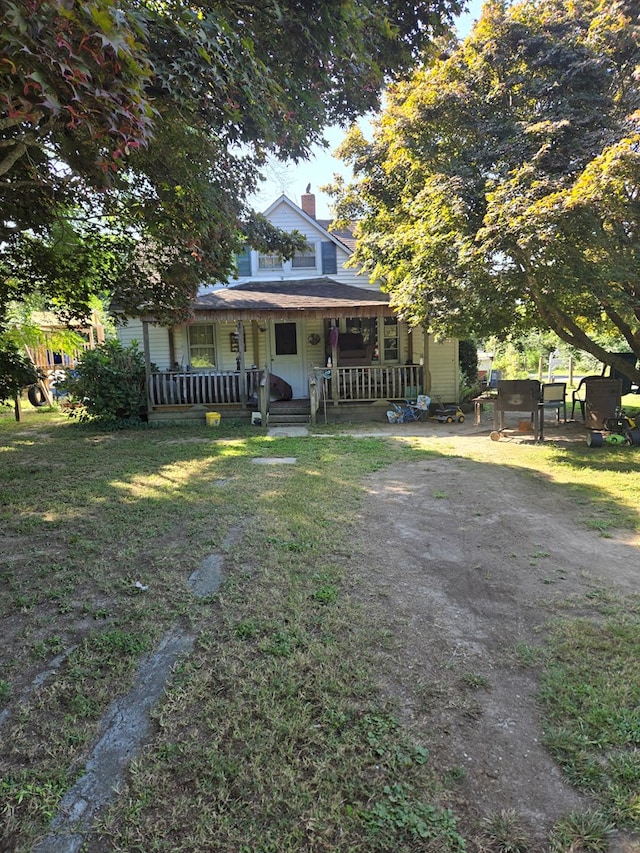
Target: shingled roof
(319, 297)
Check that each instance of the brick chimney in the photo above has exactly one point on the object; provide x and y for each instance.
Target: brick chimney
(309, 203)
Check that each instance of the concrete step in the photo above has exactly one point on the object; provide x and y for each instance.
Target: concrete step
(288, 419)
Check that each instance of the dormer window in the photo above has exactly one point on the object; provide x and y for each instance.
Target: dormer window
(305, 260)
(270, 261)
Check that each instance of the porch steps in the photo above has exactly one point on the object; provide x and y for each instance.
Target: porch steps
(290, 413)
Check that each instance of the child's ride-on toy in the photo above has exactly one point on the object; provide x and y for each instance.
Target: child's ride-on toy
(447, 413)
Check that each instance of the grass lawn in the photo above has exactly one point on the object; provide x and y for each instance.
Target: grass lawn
(272, 735)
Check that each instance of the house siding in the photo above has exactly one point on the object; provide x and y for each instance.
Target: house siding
(158, 341)
(443, 365)
(441, 360)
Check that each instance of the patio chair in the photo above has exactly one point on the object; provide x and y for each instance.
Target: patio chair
(580, 393)
(554, 397)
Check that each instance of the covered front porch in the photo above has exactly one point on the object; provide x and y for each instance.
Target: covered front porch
(319, 346)
(175, 395)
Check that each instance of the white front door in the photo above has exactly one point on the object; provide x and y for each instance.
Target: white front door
(287, 356)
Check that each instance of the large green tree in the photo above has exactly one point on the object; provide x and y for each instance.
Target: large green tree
(500, 191)
(138, 128)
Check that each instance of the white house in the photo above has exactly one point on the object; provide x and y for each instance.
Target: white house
(307, 327)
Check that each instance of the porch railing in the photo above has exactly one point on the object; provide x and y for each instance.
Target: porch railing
(375, 383)
(336, 385)
(176, 389)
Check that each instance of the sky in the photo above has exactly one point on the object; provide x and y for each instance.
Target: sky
(292, 180)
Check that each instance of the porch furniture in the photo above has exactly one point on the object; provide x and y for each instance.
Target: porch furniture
(602, 398)
(554, 397)
(578, 395)
(516, 395)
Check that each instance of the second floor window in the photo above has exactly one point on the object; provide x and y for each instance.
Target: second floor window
(305, 260)
(269, 262)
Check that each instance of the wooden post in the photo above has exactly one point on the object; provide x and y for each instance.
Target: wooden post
(241, 362)
(16, 407)
(255, 332)
(313, 397)
(263, 396)
(147, 364)
(335, 385)
(426, 368)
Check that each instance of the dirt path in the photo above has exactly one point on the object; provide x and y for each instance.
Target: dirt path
(465, 577)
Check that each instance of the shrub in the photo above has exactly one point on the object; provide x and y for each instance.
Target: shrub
(469, 384)
(108, 384)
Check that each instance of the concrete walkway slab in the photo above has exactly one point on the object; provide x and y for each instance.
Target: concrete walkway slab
(274, 460)
(288, 431)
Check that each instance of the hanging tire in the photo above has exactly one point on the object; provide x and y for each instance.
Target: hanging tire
(36, 397)
(595, 439)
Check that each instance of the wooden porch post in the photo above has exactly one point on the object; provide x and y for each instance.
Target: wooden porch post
(172, 348)
(335, 383)
(255, 332)
(426, 369)
(147, 363)
(241, 364)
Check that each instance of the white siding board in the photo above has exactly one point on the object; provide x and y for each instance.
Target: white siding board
(131, 332)
(443, 363)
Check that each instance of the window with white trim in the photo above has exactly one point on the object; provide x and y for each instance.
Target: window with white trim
(305, 260)
(270, 261)
(202, 348)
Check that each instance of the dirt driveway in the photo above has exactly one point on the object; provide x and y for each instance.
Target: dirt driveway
(466, 563)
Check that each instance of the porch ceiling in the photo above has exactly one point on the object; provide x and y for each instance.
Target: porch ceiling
(316, 297)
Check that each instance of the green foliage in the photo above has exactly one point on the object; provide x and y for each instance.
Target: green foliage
(468, 369)
(16, 371)
(591, 696)
(109, 384)
(503, 832)
(142, 126)
(398, 815)
(499, 193)
(468, 359)
(589, 831)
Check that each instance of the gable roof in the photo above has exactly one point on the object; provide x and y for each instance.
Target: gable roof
(263, 300)
(322, 225)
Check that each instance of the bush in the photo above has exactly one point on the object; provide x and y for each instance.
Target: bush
(108, 384)
(469, 384)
